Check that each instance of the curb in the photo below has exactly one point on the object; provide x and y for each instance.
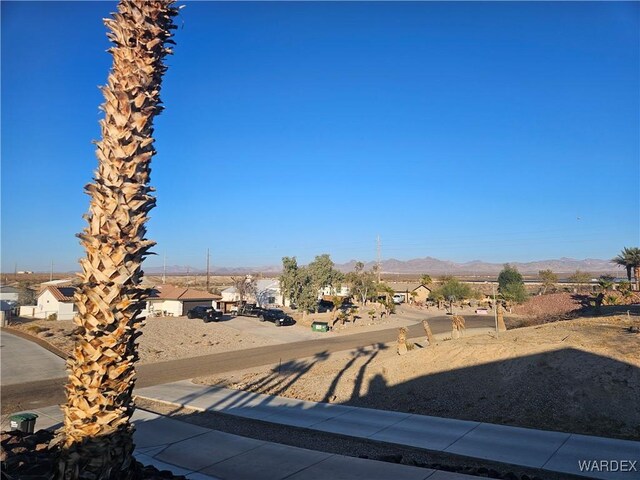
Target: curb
(43, 343)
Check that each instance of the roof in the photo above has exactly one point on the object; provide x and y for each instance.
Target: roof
(406, 286)
(59, 282)
(62, 294)
(9, 289)
(169, 292)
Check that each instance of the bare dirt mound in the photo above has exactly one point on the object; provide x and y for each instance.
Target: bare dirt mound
(553, 304)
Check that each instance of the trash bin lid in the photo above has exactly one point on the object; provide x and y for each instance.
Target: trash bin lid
(21, 417)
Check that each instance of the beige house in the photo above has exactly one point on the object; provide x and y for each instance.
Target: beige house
(411, 292)
(167, 300)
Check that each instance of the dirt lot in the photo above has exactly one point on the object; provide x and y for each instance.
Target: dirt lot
(162, 339)
(579, 376)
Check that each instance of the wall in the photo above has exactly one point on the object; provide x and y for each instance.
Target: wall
(167, 307)
(66, 311)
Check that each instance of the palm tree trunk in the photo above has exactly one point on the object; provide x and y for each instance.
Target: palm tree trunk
(428, 333)
(98, 440)
(402, 341)
(636, 273)
(500, 316)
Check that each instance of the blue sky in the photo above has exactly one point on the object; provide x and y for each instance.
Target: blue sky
(494, 131)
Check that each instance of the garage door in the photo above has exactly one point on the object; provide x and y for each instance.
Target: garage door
(186, 306)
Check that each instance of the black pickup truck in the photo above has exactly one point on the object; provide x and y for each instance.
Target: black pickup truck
(208, 314)
(249, 310)
(278, 317)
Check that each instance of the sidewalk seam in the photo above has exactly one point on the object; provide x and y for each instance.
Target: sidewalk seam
(460, 438)
(556, 450)
(331, 455)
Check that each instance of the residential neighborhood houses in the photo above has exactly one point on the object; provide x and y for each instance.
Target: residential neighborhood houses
(55, 299)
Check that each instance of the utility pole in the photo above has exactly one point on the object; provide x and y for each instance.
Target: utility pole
(207, 270)
(379, 255)
(164, 269)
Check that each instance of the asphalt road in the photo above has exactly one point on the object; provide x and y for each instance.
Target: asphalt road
(50, 392)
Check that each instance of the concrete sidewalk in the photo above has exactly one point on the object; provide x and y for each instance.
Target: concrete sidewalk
(554, 451)
(203, 454)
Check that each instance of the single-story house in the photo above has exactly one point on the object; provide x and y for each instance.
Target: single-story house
(52, 300)
(412, 292)
(167, 300)
(267, 295)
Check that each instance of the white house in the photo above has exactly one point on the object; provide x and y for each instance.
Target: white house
(50, 301)
(167, 300)
(268, 293)
(329, 291)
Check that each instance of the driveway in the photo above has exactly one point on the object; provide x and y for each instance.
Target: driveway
(24, 361)
(290, 333)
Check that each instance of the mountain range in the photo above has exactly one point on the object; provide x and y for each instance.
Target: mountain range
(429, 265)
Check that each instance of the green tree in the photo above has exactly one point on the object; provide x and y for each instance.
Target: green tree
(511, 285)
(452, 288)
(296, 284)
(426, 280)
(307, 293)
(629, 258)
(322, 272)
(362, 283)
(288, 278)
(548, 279)
(580, 278)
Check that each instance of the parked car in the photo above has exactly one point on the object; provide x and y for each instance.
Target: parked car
(208, 314)
(278, 317)
(248, 310)
(325, 306)
(398, 298)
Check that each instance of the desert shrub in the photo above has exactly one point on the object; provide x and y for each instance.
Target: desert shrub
(53, 317)
(611, 300)
(35, 329)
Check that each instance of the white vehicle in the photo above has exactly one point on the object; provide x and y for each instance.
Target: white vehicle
(398, 298)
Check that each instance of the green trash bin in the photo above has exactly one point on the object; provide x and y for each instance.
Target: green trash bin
(319, 327)
(23, 422)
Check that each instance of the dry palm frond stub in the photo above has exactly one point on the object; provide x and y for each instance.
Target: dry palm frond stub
(402, 341)
(97, 430)
(428, 333)
(457, 326)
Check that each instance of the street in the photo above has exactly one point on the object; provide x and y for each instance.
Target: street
(45, 392)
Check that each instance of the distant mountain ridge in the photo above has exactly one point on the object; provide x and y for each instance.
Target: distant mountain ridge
(429, 265)
(432, 265)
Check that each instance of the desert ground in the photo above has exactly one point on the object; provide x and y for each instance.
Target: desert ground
(580, 376)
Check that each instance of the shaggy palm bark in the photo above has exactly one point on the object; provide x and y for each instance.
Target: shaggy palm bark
(98, 440)
(428, 333)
